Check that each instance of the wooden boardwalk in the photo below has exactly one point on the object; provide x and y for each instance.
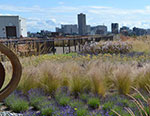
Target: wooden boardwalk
(47, 45)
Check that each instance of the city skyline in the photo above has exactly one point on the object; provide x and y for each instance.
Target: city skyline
(50, 14)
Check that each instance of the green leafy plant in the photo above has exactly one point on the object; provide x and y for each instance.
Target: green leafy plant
(36, 101)
(124, 102)
(115, 111)
(76, 104)
(108, 106)
(93, 102)
(63, 101)
(48, 111)
(19, 106)
(82, 112)
(143, 110)
(84, 97)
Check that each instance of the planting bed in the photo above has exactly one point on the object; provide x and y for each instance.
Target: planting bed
(36, 103)
(107, 84)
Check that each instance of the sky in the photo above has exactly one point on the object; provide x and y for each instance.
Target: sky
(48, 14)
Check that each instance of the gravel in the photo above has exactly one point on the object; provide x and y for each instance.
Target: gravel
(9, 114)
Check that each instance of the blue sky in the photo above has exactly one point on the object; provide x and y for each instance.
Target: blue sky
(47, 14)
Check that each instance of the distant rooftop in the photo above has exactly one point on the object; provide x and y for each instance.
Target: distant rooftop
(8, 15)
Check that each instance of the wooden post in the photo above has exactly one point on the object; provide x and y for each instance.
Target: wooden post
(75, 45)
(37, 48)
(54, 47)
(17, 48)
(79, 44)
(69, 45)
(63, 46)
(81, 41)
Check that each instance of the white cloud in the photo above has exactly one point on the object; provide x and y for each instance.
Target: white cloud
(21, 9)
(48, 18)
(36, 24)
(61, 3)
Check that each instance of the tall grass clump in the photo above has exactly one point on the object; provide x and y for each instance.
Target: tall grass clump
(29, 80)
(98, 85)
(49, 79)
(78, 81)
(138, 43)
(100, 76)
(142, 78)
(79, 84)
(122, 79)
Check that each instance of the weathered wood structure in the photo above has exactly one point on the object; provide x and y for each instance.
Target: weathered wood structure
(38, 46)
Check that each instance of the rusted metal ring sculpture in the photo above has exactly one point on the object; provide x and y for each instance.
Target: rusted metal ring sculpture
(16, 75)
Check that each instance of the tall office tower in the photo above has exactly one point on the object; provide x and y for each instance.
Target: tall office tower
(82, 24)
(114, 28)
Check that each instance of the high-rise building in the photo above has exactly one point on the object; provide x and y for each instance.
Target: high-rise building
(88, 29)
(139, 31)
(59, 30)
(114, 28)
(125, 30)
(82, 24)
(68, 29)
(100, 29)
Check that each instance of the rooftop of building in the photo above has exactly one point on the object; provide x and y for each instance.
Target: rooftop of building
(10, 15)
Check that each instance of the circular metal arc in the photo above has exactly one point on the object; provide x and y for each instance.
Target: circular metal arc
(17, 71)
(2, 75)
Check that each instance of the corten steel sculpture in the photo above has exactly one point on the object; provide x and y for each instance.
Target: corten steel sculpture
(16, 75)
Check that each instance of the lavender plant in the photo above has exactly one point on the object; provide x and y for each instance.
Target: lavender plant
(16, 103)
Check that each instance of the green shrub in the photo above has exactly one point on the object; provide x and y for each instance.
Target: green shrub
(76, 104)
(137, 96)
(63, 101)
(48, 111)
(131, 105)
(146, 110)
(19, 106)
(36, 101)
(116, 109)
(94, 103)
(84, 97)
(16, 104)
(99, 114)
(82, 112)
(108, 105)
(124, 102)
(119, 110)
